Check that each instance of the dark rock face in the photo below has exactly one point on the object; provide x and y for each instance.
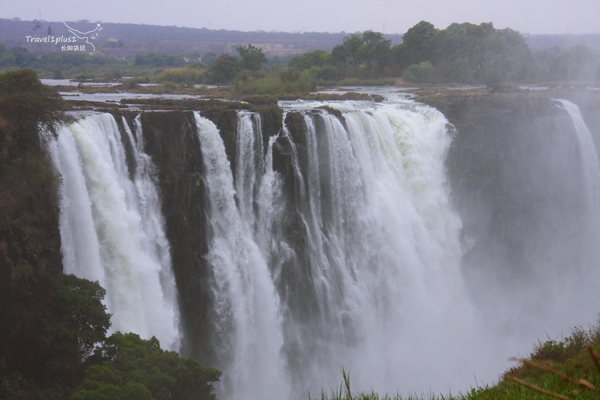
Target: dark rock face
(296, 274)
(30, 254)
(171, 139)
(515, 169)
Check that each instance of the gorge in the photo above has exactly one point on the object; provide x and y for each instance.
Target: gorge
(416, 246)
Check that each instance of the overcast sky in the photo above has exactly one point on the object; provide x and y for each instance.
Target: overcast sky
(390, 16)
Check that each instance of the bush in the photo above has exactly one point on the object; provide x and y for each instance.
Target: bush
(224, 69)
(560, 351)
(326, 73)
(285, 81)
(187, 76)
(420, 73)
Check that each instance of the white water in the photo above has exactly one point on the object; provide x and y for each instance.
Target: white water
(384, 253)
(377, 287)
(383, 289)
(247, 307)
(112, 230)
(590, 165)
(576, 297)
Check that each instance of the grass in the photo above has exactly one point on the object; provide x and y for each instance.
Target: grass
(567, 369)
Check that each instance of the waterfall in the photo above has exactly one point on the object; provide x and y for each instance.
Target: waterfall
(383, 250)
(580, 274)
(333, 244)
(248, 320)
(359, 270)
(589, 156)
(112, 229)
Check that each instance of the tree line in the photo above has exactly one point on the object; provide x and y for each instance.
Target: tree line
(462, 53)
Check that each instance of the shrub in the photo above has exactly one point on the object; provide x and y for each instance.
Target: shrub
(285, 81)
(224, 69)
(420, 73)
(559, 351)
(187, 76)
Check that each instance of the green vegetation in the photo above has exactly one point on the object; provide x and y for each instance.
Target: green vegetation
(224, 69)
(159, 60)
(74, 359)
(52, 365)
(253, 58)
(420, 73)
(465, 53)
(188, 76)
(26, 105)
(140, 369)
(462, 53)
(53, 343)
(362, 55)
(278, 82)
(75, 325)
(82, 65)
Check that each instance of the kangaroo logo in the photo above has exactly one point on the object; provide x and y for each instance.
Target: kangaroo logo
(93, 34)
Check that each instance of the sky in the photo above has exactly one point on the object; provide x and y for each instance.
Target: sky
(388, 16)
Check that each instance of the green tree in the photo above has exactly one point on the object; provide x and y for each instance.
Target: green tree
(575, 63)
(375, 50)
(420, 73)
(319, 63)
(209, 58)
(74, 327)
(253, 58)
(507, 57)
(134, 368)
(54, 360)
(6, 57)
(347, 52)
(224, 69)
(360, 53)
(419, 42)
(23, 58)
(465, 53)
(317, 58)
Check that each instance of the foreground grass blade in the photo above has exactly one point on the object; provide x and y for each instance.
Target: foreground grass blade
(537, 389)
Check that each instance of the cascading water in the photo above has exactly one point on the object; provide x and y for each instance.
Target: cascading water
(332, 245)
(248, 322)
(589, 156)
(366, 278)
(112, 227)
(580, 274)
(365, 258)
(383, 251)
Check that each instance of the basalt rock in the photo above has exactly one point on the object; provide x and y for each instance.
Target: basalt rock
(514, 167)
(29, 254)
(171, 140)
